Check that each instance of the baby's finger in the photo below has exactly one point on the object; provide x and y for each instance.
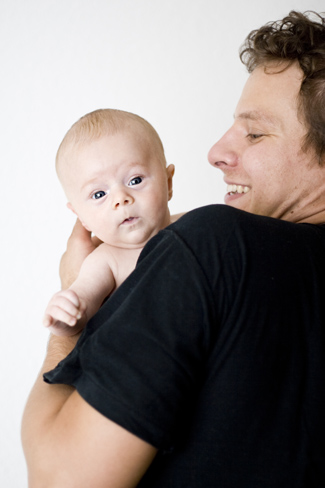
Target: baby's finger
(60, 315)
(69, 295)
(61, 308)
(65, 303)
(47, 320)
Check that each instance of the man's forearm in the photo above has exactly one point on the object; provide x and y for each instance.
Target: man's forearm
(45, 402)
(68, 443)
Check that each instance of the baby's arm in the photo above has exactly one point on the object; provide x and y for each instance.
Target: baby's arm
(69, 310)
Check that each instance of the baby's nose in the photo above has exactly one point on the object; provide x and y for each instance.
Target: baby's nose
(121, 199)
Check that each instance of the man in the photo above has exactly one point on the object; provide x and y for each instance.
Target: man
(207, 366)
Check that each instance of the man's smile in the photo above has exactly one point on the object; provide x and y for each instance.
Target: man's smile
(235, 189)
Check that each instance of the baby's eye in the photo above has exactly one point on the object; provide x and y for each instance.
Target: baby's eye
(135, 181)
(98, 194)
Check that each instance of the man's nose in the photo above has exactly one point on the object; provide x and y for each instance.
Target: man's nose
(225, 152)
(121, 198)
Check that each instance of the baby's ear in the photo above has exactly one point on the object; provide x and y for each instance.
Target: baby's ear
(73, 210)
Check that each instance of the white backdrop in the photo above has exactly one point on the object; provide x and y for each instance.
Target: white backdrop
(174, 62)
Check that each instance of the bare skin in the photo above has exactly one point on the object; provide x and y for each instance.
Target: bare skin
(264, 167)
(119, 188)
(68, 420)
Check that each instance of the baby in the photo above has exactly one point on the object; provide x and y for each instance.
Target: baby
(113, 170)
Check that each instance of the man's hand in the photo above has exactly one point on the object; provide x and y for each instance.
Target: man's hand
(64, 313)
(79, 245)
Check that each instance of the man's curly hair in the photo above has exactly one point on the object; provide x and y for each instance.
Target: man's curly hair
(298, 37)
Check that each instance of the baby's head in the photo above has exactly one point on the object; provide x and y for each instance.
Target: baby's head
(113, 170)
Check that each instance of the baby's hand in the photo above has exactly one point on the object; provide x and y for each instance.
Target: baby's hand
(63, 314)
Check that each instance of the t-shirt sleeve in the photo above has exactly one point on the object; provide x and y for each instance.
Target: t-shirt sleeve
(140, 359)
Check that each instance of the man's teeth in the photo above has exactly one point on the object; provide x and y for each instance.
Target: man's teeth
(237, 189)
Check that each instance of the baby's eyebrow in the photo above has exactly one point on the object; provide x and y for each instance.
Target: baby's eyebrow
(101, 175)
(89, 183)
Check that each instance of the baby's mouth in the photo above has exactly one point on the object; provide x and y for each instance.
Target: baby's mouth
(129, 220)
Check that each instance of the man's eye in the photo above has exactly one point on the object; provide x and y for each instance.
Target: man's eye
(135, 181)
(98, 194)
(254, 137)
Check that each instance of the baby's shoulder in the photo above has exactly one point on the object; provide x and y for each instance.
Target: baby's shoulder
(104, 255)
(121, 260)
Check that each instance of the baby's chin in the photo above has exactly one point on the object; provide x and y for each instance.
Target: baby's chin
(131, 244)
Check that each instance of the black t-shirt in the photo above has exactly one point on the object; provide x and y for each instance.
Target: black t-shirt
(213, 351)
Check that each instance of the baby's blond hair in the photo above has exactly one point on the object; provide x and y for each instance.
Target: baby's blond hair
(99, 123)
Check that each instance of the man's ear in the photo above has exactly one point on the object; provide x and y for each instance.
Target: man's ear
(170, 173)
(73, 210)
